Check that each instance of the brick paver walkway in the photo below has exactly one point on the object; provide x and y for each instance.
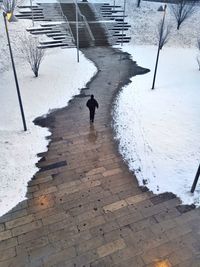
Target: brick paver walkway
(84, 207)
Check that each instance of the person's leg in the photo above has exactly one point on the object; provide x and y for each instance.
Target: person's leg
(92, 115)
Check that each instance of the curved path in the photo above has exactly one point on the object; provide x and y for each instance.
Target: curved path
(84, 208)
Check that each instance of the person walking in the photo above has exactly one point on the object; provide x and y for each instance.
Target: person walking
(92, 104)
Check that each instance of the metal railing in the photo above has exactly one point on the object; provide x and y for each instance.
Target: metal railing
(85, 21)
(67, 22)
(111, 38)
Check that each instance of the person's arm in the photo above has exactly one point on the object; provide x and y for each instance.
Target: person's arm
(97, 104)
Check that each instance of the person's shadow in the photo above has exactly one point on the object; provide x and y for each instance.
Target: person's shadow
(93, 134)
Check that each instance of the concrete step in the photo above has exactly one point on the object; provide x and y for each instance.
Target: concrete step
(51, 42)
(59, 38)
(27, 6)
(29, 16)
(52, 24)
(33, 29)
(44, 32)
(51, 45)
(57, 34)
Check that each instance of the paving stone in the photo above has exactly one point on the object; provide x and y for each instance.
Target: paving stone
(55, 218)
(115, 206)
(41, 180)
(8, 243)
(157, 254)
(90, 244)
(106, 262)
(53, 166)
(82, 186)
(83, 260)
(131, 218)
(5, 235)
(179, 255)
(135, 199)
(89, 214)
(132, 262)
(33, 244)
(26, 228)
(159, 263)
(95, 171)
(111, 172)
(127, 253)
(91, 223)
(60, 256)
(142, 224)
(104, 228)
(2, 227)
(178, 231)
(32, 235)
(110, 248)
(7, 254)
(46, 191)
(194, 262)
(19, 221)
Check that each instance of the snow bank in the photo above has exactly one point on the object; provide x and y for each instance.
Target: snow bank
(159, 130)
(56, 85)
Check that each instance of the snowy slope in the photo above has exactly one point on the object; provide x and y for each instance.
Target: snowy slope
(159, 130)
(55, 86)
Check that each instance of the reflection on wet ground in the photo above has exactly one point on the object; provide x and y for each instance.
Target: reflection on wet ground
(93, 134)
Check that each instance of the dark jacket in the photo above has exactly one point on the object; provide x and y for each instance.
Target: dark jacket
(92, 104)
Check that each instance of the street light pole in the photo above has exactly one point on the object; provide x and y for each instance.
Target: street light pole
(123, 23)
(31, 4)
(77, 32)
(195, 180)
(15, 74)
(158, 53)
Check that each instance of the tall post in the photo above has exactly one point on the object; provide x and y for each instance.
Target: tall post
(31, 4)
(195, 180)
(158, 53)
(15, 74)
(123, 23)
(77, 32)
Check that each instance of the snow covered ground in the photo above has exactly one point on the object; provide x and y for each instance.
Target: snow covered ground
(56, 85)
(159, 130)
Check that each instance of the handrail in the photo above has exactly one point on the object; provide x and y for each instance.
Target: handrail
(85, 20)
(67, 22)
(105, 26)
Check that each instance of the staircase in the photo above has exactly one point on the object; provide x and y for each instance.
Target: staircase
(98, 24)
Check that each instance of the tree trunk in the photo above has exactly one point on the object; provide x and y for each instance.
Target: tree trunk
(178, 25)
(36, 73)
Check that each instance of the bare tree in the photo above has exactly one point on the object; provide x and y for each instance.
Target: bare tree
(198, 43)
(31, 52)
(163, 33)
(138, 3)
(182, 10)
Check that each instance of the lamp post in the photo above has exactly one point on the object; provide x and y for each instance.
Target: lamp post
(195, 180)
(77, 33)
(31, 4)
(158, 53)
(14, 71)
(123, 23)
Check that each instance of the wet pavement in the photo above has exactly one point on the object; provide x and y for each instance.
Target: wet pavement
(84, 207)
